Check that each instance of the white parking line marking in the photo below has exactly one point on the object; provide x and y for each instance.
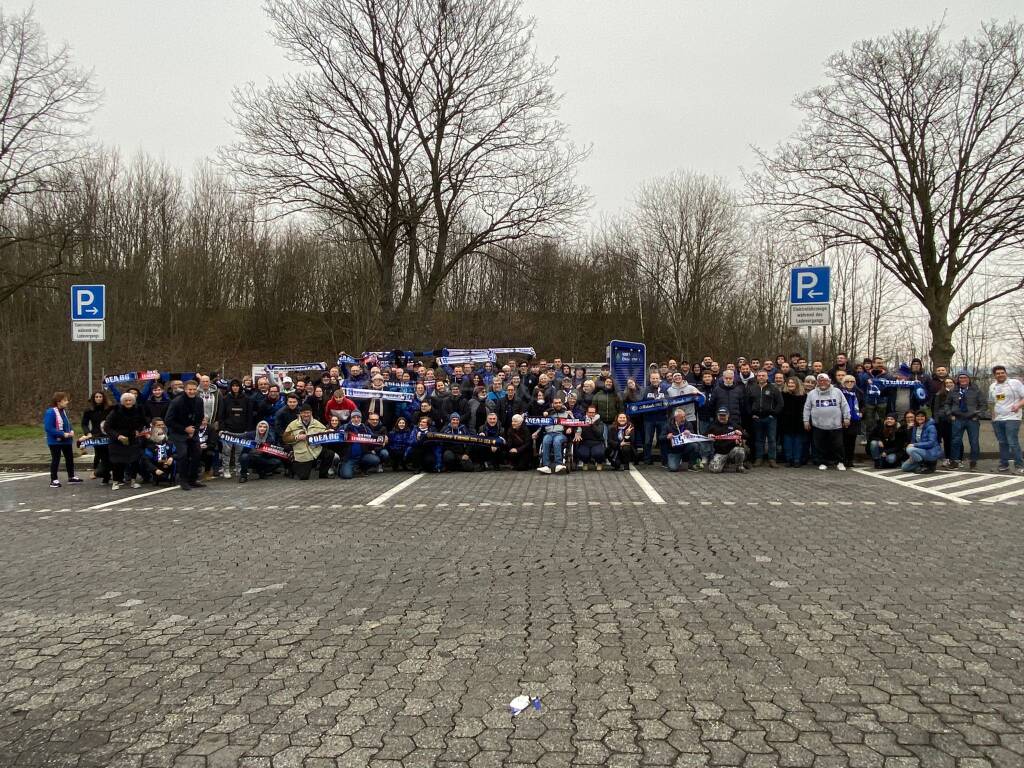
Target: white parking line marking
(391, 492)
(960, 480)
(1005, 496)
(126, 499)
(6, 479)
(906, 484)
(984, 489)
(645, 486)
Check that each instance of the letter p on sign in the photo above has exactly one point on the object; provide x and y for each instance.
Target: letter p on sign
(88, 302)
(809, 285)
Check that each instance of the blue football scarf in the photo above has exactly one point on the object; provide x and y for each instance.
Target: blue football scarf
(121, 378)
(446, 437)
(399, 396)
(686, 437)
(875, 386)
(551, 421)
(296, 367)
(268, 448)
(92, 442)
(327, 438)
(653, 406)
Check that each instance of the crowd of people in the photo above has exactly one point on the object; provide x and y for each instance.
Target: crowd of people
(389, 411)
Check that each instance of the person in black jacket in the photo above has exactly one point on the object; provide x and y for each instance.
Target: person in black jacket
(764, 404)
(125, 426)
(92, 426)
(236, 418)
(184, 417)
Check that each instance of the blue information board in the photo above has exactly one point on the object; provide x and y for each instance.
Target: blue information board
(627, 360)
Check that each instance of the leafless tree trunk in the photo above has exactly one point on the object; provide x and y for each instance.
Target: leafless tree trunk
(913, 150)
(44, 103)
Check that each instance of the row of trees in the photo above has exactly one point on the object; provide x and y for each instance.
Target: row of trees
(412, 185)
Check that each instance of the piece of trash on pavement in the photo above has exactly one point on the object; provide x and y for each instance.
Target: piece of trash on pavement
(519, 703)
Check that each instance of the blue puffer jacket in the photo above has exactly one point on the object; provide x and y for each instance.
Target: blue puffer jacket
(926, 439)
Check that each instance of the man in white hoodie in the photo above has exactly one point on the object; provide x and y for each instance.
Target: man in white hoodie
(826, 414)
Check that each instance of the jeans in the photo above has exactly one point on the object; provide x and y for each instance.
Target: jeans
(973, 430)
(1008, 435)
(188, 455)
(655, 430)
(794, 448)
(589, 452)
(551, 449)
(764, 431)
(365, 462)
(675, 460)
(877, 451)
(915, 457)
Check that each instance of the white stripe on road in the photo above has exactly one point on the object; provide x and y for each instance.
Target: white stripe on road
(969, 491)
(963, 481)
(389, 493)
(645, 486)
(907, 484)
(1005, 496)
(126, 499)
(22, 477)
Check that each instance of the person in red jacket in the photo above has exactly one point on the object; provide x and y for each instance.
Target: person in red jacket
(339, 405)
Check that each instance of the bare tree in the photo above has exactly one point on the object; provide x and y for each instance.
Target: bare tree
(497, 161)
(914, 150)
(44, 103)
(687, 233)
(336, 138)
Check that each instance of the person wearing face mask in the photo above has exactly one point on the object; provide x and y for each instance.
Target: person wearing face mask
(157, 463)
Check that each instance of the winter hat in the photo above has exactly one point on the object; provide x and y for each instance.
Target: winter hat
(963, 372)
(824, 376)
(722, 410)
(904, 370)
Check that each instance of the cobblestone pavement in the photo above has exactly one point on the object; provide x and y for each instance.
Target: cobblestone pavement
(786, 618)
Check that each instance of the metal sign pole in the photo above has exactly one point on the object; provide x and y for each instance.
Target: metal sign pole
(88, 389)
(810, 354)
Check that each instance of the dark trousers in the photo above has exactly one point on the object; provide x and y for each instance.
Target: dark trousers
(101, 461)
(826, 446)
(188, 454)
(56, 451)
(260, 463)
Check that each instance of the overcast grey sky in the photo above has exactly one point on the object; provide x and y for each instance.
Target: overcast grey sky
(653, 85)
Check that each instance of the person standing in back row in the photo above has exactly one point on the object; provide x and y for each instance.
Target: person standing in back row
(184, 417)
(1006, 397)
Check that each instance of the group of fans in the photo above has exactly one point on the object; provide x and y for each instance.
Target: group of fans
(392, 410)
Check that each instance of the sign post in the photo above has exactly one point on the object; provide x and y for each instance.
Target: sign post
(88, 318)
(809, 300)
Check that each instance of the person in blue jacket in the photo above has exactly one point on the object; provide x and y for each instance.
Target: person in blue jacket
(924, 450)
(60, 436)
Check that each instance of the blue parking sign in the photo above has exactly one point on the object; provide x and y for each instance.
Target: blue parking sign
(809, 285)
(88, 302)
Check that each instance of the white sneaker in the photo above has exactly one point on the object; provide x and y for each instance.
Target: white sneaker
(115, 486)
(560, 468)
(136, 484)
(544, 470)
(227, 474)
(841, 467)
(822, 467)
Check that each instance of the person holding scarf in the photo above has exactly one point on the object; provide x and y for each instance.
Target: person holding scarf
(304, 455)
(452, 455)
(962, 409)
(60, 436)
(589, 442)
(855, 400)
(491, 456)
(253, 459)
(92, 426)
